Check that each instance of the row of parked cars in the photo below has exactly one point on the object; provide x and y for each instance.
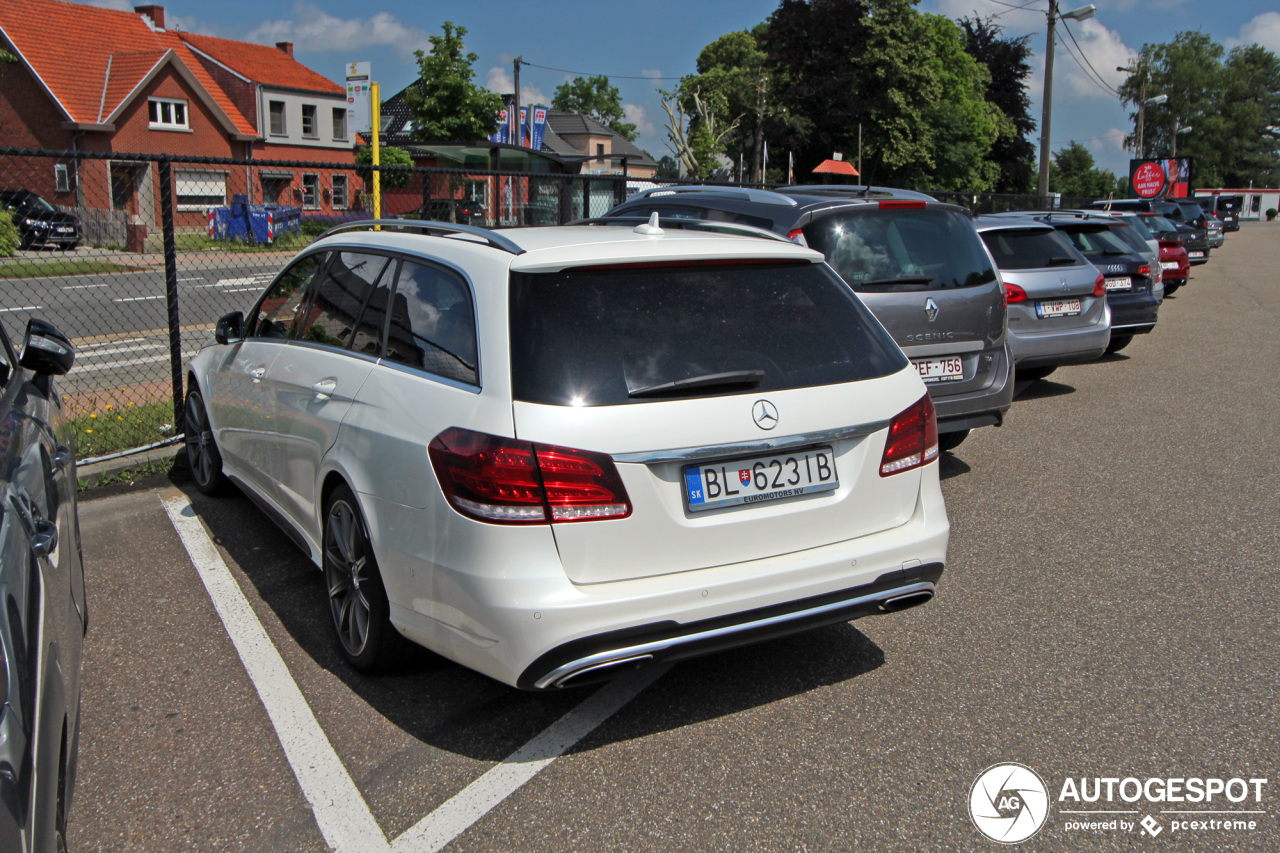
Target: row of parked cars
(553, 454)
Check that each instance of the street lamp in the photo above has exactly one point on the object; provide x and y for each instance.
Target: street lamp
(1176, 130)
(1143, 102)
(1074, 15)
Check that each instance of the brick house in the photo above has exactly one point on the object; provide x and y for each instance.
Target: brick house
(91, 79)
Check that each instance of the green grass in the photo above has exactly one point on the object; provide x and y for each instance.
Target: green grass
(128, 475)
(59, 267)
(290, 242)
(111, 430)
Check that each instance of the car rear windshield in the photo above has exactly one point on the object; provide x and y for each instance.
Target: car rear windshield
(1131, 237)
(608, 336)
(1030, 249)
(1160, 225)
(1096, 241)
(902, 249)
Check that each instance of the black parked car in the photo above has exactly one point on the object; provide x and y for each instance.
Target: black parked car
(1192, 225)
(40, 223)
(42, 600)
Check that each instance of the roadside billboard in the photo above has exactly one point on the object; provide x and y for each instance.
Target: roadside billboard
(1163, 178)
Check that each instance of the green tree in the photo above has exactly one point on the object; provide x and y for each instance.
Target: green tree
(387, 156)
(1075, 174)
(732, 76)
(1007, 60)
(446, 105)
(1251, 111)
(595, 97)
(10, 239)
(696, 136)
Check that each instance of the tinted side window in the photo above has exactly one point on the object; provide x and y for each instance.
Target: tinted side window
(902, 249)
(370, 327)
(433, 324)
(1030, 249)
(340, 295)
(278, 311)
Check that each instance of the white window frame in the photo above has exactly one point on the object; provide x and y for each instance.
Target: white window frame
(314, 133)
(204, 197)
(162, 114)
(345, 197)
(315, 194)
(284, 118)
(61, 178)
(340, 123)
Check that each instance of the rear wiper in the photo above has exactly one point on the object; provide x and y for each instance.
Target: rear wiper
(890, 282)
(730, 379)
(1060, 261)
(1113, 252)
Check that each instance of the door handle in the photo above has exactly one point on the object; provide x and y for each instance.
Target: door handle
(257, 373)
(61, 456)
(324, 388)
(45, 539)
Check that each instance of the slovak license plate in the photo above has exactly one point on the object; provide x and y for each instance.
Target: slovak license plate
(1168, 265)
(1119, 284)
(712, 485)
(1195, 254)
(1058, 308)
(949, 369)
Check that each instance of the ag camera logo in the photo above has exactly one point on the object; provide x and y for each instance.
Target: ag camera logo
(1008, 803)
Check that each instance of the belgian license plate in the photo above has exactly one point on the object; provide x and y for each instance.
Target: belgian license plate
(65, 229)
(1119, 284)
(714, 485)
(1168, 265)
(1058, 308)
(949, 369)
(1195, 254)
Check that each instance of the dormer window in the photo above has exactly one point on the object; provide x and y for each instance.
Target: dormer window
(167, 114)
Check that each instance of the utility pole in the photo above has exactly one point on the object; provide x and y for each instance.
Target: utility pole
(757, 176)
(1046, 108)
(519, 135)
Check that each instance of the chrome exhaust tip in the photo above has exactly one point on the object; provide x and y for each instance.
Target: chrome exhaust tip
(601, 671)
(903, 602)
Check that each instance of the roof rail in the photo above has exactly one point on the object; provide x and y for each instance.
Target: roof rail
(433, 229)
(687, 224)
(745, 193)
(851, 190)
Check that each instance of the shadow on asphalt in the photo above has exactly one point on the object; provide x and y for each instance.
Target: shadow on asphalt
(951, 465)
(1041, 389)
(449, 707)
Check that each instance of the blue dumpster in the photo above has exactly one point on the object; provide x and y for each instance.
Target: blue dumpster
(253, 223)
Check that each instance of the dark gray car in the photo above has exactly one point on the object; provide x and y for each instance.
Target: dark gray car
(42, 601)
(918, 265)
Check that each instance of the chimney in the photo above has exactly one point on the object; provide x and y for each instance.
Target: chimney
(155, 13)
(287, 47)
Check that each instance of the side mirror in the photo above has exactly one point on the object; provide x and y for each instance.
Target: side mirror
(46, 351)
(230, 328)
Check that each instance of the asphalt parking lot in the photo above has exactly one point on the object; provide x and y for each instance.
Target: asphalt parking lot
(1109, 611)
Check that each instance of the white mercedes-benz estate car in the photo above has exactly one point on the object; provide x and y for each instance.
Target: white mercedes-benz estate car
(550, 454)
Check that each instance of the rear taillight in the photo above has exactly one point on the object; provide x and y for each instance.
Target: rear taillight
(503, 481)
(1014, 294)
(1145, 269)
(797, 236)
(913, 439)
(901, 204)
(1100, 286)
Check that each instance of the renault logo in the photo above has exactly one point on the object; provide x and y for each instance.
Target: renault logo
(765, 414)
(931, 309)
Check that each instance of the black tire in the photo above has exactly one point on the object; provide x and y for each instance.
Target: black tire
(952, 440)
(357, 599)
(202, 450)
(1118, 342)
(1032, 374)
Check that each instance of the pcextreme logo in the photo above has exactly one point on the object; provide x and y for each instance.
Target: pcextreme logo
(1009, 803)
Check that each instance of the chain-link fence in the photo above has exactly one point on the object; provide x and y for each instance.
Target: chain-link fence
(134, 257)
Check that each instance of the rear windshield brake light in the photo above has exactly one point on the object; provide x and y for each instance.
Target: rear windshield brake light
(900, 204)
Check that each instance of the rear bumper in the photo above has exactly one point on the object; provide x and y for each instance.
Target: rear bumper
(983, 407)
(1134, 314)
(1061, 346)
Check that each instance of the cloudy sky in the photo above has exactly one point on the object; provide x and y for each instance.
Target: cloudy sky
(646, 46)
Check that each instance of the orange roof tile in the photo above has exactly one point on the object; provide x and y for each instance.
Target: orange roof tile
(262, 63)
(70, 46)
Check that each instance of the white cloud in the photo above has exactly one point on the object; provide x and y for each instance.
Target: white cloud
(499, 80)
(652, 73)
(1099, 47)
(1263, 30)
(639, 116)
(322, 32)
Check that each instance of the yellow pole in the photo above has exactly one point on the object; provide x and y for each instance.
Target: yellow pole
(377, 175)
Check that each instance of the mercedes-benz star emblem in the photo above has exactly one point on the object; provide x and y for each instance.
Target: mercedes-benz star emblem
(765, 414)
(931, 309)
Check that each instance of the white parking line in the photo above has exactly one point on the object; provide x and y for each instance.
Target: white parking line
(138, 298)
(27, 308)
(82, 286)
(340, 810)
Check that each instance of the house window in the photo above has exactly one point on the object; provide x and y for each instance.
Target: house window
(340, 123)
(339, 192)
(276, 109)
(309, 121)
(197, 190)
(167, 114)
(310, 191)
(61, 178)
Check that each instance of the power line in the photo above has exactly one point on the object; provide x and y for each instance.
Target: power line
(1085, 57)
(590, 74)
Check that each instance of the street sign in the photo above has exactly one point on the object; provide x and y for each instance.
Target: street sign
(359, 113)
